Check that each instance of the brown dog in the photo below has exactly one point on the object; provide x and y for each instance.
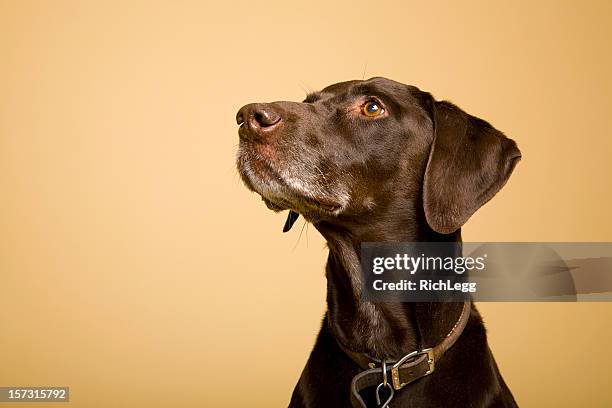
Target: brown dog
(379, 161)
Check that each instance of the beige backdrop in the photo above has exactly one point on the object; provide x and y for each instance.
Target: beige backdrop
(135, 267)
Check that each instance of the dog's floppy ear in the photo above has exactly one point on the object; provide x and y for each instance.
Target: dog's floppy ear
(469, 162)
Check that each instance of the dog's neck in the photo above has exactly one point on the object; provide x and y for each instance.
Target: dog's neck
(381, 330)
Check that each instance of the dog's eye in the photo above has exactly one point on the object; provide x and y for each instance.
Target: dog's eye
(372, 108)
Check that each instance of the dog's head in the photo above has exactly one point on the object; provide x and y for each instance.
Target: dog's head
(356, 147)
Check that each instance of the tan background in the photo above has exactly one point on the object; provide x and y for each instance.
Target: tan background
(135, 267)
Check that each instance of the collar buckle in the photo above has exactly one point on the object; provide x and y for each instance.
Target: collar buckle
(395, 374)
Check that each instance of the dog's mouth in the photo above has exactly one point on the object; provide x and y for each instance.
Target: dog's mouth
(278, 189)
(316, 202)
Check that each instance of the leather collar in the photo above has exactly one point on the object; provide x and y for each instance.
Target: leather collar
(394, 375)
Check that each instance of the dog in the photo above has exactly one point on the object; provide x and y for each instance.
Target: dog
(379, 161)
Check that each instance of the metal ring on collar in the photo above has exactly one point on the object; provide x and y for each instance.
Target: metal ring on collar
(384, 372)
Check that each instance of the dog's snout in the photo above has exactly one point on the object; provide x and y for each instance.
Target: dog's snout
(258, 117)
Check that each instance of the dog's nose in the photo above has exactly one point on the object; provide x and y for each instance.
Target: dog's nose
(258, 117)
